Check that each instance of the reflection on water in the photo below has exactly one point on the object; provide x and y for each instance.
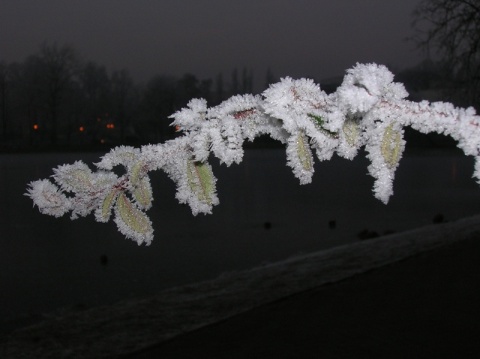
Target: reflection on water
(264, 216)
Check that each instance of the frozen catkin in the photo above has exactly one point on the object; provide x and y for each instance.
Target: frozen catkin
(368, 110)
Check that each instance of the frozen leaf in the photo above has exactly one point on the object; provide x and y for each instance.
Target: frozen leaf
(132, 222)
(391, 146)
(304, 152)
(104, 180)
(137, 172)
(351, 130)
(319, 123)
(300, 158)
(384, 149)
(201, 181)
(105, 210)
(76, 177)
(142, 193)
(476, 173)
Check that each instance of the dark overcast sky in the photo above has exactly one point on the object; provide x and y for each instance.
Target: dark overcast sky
(299, 38)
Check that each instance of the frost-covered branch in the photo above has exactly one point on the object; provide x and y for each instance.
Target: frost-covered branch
(367, 110)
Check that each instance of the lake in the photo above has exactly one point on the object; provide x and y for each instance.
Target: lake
(264, 216)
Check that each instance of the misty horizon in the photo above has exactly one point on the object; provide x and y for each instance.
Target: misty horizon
(299, 39)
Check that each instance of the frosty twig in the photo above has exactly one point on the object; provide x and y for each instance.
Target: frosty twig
(368, 109)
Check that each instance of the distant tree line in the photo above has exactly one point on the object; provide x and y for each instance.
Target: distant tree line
(53, 99)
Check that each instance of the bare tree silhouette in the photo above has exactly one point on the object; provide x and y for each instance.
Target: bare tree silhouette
(452, 29)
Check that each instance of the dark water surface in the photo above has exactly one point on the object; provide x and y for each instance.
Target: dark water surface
(264, 216)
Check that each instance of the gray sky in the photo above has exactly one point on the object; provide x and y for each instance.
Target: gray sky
(311, 38)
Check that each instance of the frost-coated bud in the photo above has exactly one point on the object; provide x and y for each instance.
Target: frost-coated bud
(292, 101)
(192, 117)
(48, 198)
(365, 85)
